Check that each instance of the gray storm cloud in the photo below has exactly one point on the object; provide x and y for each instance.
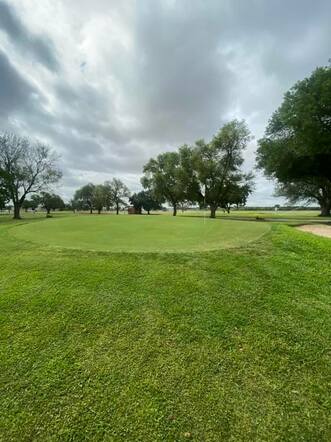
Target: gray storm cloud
(40, 47)
(110, 84)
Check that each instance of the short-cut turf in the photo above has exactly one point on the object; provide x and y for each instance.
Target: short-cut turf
(229, 345)
(141, 233)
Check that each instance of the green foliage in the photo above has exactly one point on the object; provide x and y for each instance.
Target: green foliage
(99, 198)
(145, 200)
(4, 195)
(117, 193)
(296, 148)
(32, 203)
(110, 194)
(163, 178)
(225, 345)
(217, 166)
(207, 174)
(25, 168)
(51, 201)
(235, 192)
(83, 198)
(308, 190)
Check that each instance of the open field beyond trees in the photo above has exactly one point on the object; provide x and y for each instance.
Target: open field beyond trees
(229, 344)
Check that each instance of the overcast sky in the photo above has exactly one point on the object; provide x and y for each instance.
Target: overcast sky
(111, 83)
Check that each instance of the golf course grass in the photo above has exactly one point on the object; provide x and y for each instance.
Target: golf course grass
(139, 233)
(231, 344)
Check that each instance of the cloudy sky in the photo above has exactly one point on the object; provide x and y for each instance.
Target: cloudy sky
(111, 83)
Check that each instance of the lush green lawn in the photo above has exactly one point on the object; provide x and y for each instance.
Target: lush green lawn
(225, 345)
(140, 233)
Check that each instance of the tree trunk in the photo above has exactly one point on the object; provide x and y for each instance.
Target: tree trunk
(213, 211)
(147, 212)
(91, 210)
(17, 211)
(117, 209)
(325, 210)
(174, 213)
(99, 211)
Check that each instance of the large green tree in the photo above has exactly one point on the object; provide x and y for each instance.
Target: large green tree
(51, 201)
(145, 200)
(83, 198)
(25, 167)
(116, 193)
(296, 148)
(217, 165)
(99, 197)
(166, 178)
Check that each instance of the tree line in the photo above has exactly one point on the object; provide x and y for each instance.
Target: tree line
(295, 151)
(207, 174)
(97, 197)
(112, 194)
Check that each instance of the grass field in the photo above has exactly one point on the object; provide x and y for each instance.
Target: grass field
(231, 344)
(140, 233)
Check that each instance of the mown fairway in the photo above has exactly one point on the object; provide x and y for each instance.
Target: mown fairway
(140, 233)
(231, 344)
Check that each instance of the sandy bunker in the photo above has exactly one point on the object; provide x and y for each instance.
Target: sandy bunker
(317, 229)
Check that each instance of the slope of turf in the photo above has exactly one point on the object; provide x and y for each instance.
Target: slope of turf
(140, 233)
(228, 345)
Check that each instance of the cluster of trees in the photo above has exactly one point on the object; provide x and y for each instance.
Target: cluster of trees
(96, 197)
(207, 174)
(296, 148)
(112, 194)
(145, 200)
(26, 167)
(295, 151)
(46, 200)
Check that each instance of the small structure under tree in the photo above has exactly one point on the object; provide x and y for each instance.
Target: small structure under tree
(134, 210)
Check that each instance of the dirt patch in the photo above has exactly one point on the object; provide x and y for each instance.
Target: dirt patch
(317, 230)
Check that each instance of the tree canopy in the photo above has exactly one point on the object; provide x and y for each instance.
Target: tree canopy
(51, 201)
(83, 198)
(163, 178)
(310, 190)
(99, 197)
(296, 148)
(145, 200)
(217, 165)
(206, 173)
(25, 167)
(116, 193)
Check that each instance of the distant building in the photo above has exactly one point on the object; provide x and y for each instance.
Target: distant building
(133, 211)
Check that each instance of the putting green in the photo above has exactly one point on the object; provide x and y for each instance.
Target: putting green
(140, 233)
